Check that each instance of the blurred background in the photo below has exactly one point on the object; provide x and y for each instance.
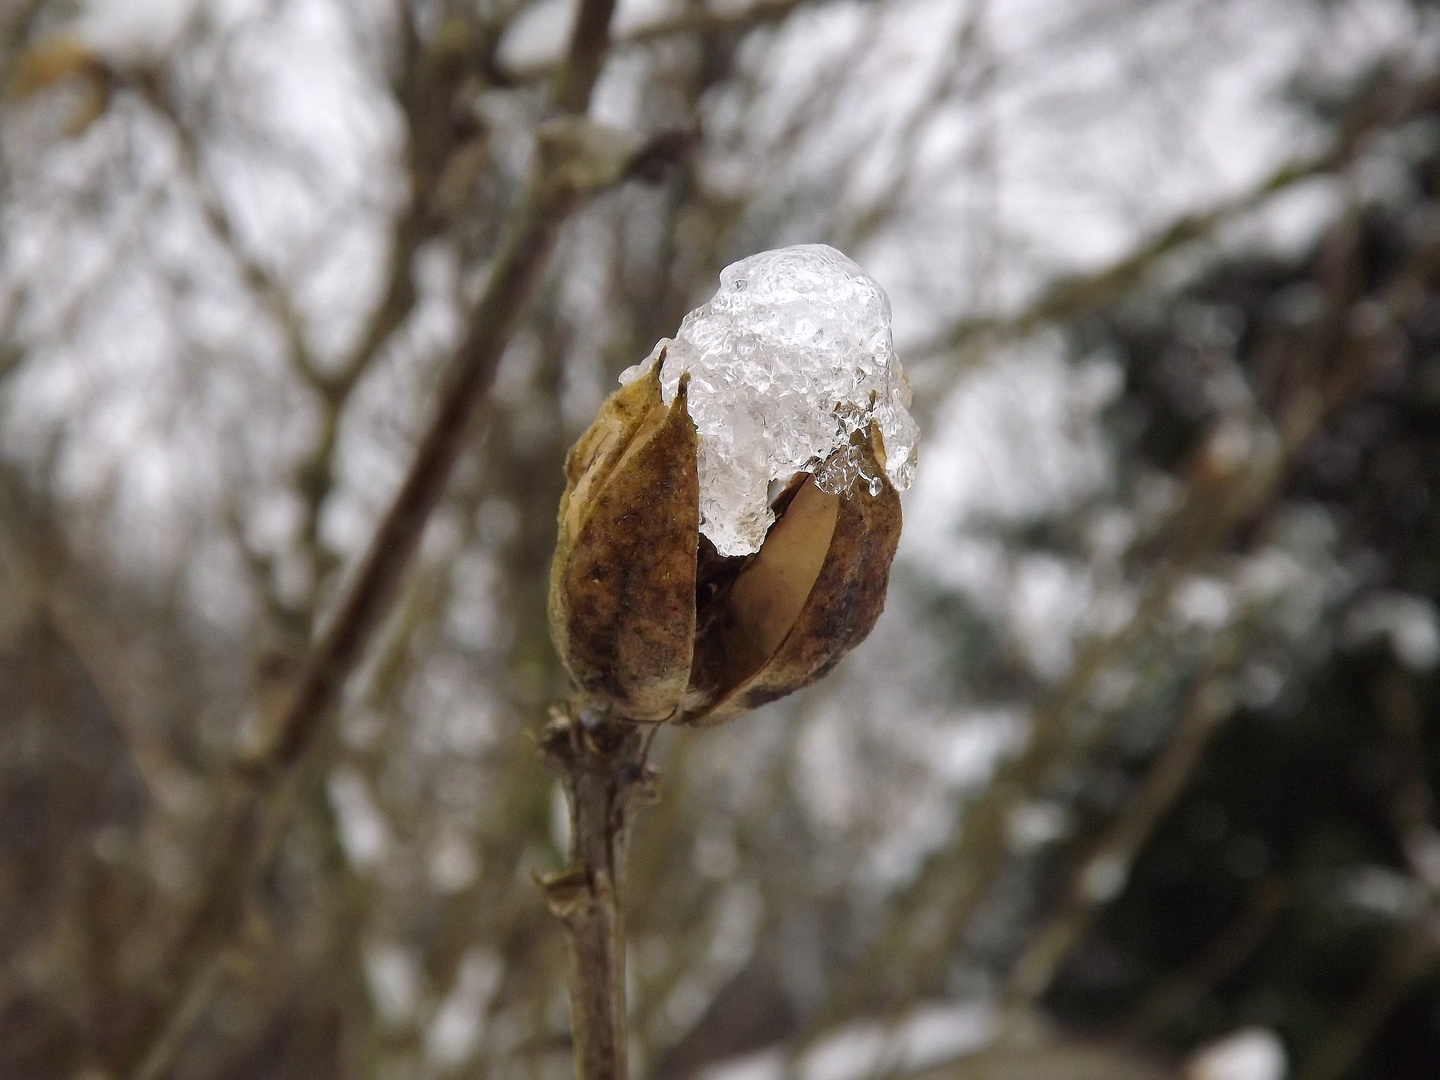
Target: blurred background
(1134, 778)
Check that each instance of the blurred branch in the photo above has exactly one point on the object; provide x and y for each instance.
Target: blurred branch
(560, 183)
(1412, 806)
(1411, 957)
(1416, 950)
(916, 936)
(915, 939)
(1102, 872)
(35, 559)
(703, 21)
(602, 763)
(271, 291)
(1075, 295)
(589, 41)
(1392, 101)
(968, 49)
(568, 170)
(1072, 1061)
(1231, 948)
(697, 20)
(332, 387)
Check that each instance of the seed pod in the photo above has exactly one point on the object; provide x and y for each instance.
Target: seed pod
(810, 595)
(653, 624)
(622, 587)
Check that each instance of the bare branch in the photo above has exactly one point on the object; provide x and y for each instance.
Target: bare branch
(1089, 889)
(602, 763)
(1389, 104)
(559, 183)
(703, 21)
(1231, 948)
(1410, 958)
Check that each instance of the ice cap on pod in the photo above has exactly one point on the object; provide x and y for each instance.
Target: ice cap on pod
(789, 359)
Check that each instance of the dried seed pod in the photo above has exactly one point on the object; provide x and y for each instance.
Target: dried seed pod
(622, 587)
(810, 595)
(653, 624)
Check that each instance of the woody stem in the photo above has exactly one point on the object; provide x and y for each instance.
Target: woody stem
(602, 764)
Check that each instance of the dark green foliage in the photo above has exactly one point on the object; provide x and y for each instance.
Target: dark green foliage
(1297, 794)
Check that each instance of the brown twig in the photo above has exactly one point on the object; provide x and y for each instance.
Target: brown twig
(516, 272)
(1231, 948)
(1100, 875)
(694, 21)
(699, 20)
(1416, 949)
(1411, 957)
(255, 822)
(1392, 102)
(552, 196)
(602, 764)
(1412, 805)
(560, 181)
(917, 934)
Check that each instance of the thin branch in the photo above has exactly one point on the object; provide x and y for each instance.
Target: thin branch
(698, 21)
(1390, 104)
(1409, 959)
(517, 270)
(589, 41)
(917, 933)
(703, 21)
(1412, 806)
(558, 185)
(1091, 886)
(1416, 951)
(916, 937)
(269, 289)
(35, 557)
(1231, 948)
(602, 763)
(967, 49)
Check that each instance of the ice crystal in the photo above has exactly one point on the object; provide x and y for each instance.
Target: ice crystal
(790, 362)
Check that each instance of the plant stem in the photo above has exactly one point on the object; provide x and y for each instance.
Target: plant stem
(602, 763)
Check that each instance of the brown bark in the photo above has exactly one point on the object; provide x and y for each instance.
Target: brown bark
(602, 764)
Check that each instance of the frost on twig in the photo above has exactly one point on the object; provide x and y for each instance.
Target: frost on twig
(790, 363)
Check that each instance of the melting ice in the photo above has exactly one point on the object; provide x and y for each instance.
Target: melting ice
(791, 357)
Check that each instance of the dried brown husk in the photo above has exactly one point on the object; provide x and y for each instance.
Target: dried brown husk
(622, 589)
(810, 595)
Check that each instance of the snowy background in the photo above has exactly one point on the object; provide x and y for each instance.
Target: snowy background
(230, 277)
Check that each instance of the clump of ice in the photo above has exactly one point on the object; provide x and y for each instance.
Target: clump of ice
(789, 360)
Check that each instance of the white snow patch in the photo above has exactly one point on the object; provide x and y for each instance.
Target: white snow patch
(1248, 1054)
(392, 974)
(364, 832)
(457, 1029)
(929, 1035)
(1410, 622)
